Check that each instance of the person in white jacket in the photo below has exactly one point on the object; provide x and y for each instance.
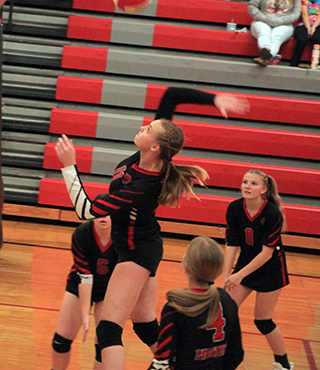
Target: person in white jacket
(272, 25)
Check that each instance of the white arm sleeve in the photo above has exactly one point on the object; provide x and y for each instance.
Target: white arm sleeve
(78, 196)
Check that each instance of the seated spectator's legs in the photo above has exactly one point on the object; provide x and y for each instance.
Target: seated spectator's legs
(315, 38)
(279, 35)
(301, 36)
(262, 32)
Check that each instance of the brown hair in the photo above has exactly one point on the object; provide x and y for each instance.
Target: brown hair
(203, 262)
(178, 179)
(271, 193)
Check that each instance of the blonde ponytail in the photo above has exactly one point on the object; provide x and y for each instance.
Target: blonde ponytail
(203, 262)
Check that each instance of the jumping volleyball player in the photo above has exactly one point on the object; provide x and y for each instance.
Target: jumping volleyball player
(140, 183)
(254, 223)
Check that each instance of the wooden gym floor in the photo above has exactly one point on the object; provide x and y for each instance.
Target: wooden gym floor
(35, 260)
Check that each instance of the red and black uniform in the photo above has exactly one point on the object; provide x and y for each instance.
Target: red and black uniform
(133, 195)
(91, 257)
(182, 345)
(251, 233)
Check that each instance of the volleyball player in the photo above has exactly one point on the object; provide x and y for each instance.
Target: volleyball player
(199, 325)
(254, 223)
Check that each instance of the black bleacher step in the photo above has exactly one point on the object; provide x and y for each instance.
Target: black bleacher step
(21, 159)
(28, 82)
(51, 4)
(21, 185)
(20, 124)
(26, 153)
(26, 139)
(23, 150)
(36, 22)
(21, 189)
(24, 115)
(31, 51)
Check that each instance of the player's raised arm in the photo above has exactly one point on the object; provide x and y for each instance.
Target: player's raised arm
(174, 96)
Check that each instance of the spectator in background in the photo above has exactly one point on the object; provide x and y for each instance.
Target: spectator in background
(307, 29)
(272, 25)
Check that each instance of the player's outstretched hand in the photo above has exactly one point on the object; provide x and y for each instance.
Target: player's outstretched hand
(231, 103)
(65, 151)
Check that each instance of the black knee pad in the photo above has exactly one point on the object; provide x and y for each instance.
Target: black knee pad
(61, 344)
(148, 332)
(98, 353)
(265, 326)
(109, 334)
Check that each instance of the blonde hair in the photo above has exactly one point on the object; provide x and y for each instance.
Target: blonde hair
(279, 4)
(272, 193)
(178, 179)
(203, 262)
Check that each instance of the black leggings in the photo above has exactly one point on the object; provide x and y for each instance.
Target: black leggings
(302, 37)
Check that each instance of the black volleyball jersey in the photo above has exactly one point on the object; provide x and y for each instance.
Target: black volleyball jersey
(182, 345)
(250, 234)
(91, 257)
(131, 201)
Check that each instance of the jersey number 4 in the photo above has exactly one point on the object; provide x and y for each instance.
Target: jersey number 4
(218, 326)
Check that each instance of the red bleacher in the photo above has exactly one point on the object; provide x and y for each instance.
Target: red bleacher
(84, 156)
(211, 209)
(181, 38)
(201, 10)
(224, 174)
(295, 111)
(73, 122)
(207, 136)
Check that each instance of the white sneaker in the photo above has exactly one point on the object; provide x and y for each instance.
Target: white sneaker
(277, 366)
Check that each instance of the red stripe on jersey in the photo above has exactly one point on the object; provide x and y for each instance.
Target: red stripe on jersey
(78, 249)
(256, 215)
(98, 210)
(283, 272)
(165, 328)
(277, 231)
(120, 169)
(167, 314)
(102, 247)
(137, 168)
(117, 176)
(83, 270)
(78, 259)
(110, 205)
(130, 236)
(273, 244)
(164, 343)
(165, 354)
(131, 192)
(121, 199)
